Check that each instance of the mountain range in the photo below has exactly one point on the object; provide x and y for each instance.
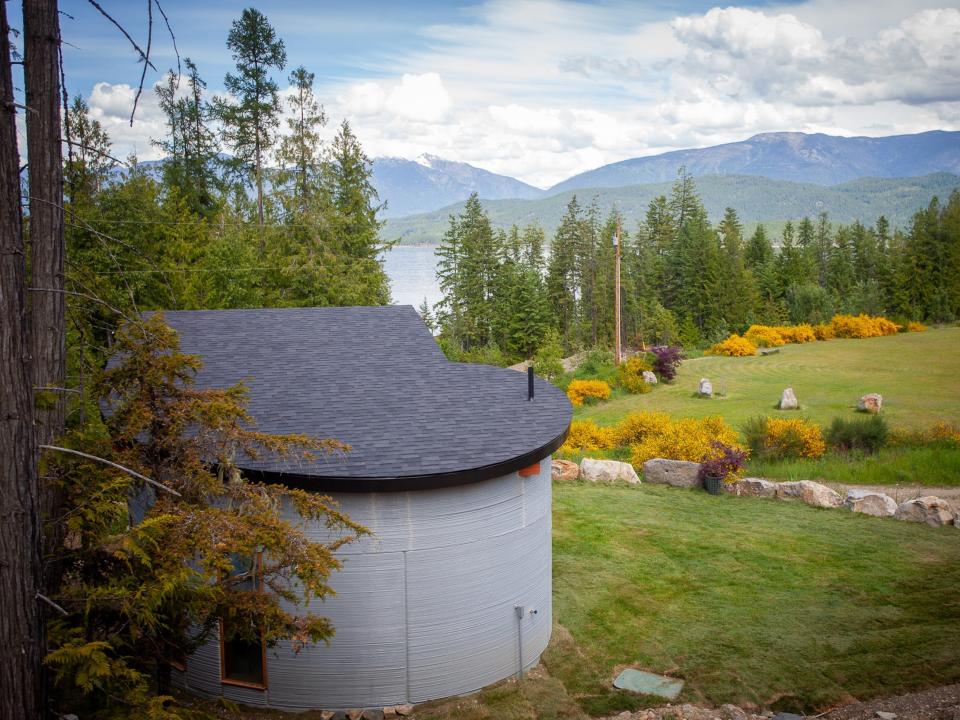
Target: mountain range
(756, 199)
(822, 159)
(430, 183)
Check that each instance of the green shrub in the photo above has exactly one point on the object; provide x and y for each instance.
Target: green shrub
(630, 375)
(546, 361)
(867, 434)
(598, 365)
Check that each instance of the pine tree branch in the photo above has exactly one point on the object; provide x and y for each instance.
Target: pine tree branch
(134, 473)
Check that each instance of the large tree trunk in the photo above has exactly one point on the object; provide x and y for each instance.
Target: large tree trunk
(41, 28)
(20, 631)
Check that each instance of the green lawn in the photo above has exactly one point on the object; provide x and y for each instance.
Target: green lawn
(750, 601)
(918, 375)
(931, 466)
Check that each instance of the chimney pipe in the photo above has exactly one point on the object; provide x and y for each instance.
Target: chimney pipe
(530, 382)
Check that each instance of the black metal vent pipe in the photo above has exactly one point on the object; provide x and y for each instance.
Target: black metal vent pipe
(530, 382)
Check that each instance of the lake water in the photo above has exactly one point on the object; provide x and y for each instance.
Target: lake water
(412, 270)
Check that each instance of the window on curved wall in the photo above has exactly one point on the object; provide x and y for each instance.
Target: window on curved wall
(242, 650)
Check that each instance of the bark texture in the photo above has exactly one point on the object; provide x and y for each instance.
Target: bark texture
(20, 636)
(41, 42)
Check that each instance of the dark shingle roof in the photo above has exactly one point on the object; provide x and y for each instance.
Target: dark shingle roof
(373, 377)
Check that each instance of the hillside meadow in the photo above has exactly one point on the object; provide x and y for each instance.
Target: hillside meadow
(917, 374)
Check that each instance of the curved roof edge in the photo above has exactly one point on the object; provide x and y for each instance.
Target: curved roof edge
(319, 483)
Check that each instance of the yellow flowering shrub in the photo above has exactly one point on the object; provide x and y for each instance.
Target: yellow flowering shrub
(945, 431)
(792, 438)
(636, 426)
(914, 326)
(733, 346)
(823, 331)
(862, 326)
(765, 336)
(630, 375)
(803, 333)
(686, 439)
(581, 390)
(587, 436)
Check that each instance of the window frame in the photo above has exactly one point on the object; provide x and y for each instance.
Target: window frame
(224, 680)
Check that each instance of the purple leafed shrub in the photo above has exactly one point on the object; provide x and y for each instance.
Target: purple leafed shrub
(727, 463)
(666, 361)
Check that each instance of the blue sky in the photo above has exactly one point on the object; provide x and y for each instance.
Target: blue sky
(541, 89)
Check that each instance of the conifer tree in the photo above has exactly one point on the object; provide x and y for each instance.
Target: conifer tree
(190, 145)
(354, 226)
(561, 272)
(299, 154)
(250, 118)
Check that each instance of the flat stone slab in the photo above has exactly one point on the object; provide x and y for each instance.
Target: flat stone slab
(649, 683)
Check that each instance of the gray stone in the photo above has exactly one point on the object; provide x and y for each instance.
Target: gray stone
(649, 377)
(390, 712)
(870, 503)
(404, 710)
(593, 470)
(678, 473)
(929, 509)
(787, 716)
(705, 388)
(354, 714)
(886, 715)
(372, 714)
(871, 403)
(788, 400)
(732, 712)
(812, 493)
(564, 470)
(752, 487)
(339, 715)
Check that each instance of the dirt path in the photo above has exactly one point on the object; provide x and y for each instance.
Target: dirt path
(942, 703)
(900, 493)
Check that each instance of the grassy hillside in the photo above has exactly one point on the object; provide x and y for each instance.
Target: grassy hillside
(776, 605)
(917, 374)
(756, 199)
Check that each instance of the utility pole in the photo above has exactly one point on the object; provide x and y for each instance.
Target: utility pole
(616, 285)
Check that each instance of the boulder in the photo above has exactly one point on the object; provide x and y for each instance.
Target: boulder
(607, 471)
(929, 509)
(812, 493)
(404, 710)
(678, 473)
(564, 470)
(870, 503)
(788, 400)
(372, 714)
(649, 377)
(752, 487)
(871, 403)
(705, 388)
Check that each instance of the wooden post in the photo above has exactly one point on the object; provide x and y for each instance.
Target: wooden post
(616, 285)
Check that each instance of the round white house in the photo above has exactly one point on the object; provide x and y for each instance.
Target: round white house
(450, 471)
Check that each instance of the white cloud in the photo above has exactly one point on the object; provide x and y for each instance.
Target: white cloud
(542, 89)
(366, 98)
(751, 35)
(420, 97)
(111, 106)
